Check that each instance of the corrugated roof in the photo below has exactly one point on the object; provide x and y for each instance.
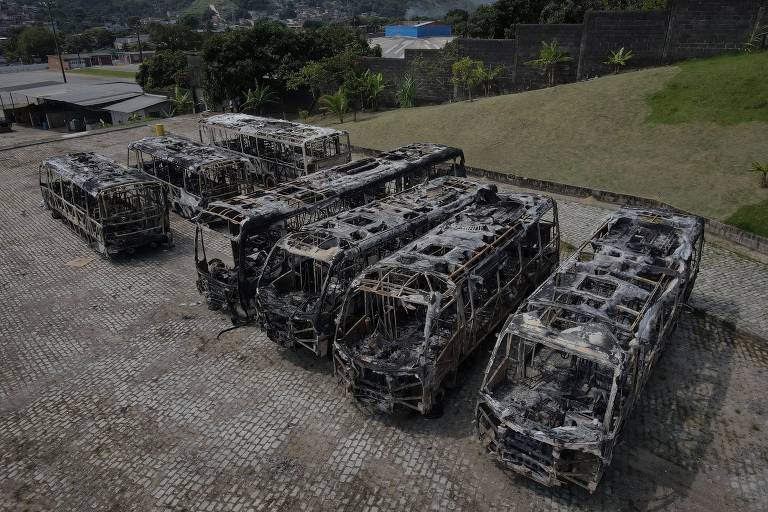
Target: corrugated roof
(137, 103)
(83, 94)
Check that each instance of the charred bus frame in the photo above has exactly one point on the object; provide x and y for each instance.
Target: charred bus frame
(409, 321)
(280, 150)
(307, 273)
(256, 221)
(111, 206)
(192, 174)
(569, 366)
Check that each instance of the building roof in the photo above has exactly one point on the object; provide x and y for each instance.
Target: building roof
(137, 103)
(269, 128)
(94, 172)
(394, 47)
(82, 94)
(185, 153)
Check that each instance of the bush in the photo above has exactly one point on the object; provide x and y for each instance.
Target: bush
(164, 69)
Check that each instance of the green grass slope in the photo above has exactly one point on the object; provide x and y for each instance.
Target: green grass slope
(595, 134)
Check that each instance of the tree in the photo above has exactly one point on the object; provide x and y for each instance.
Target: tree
(76, 43)
(374, 86)
(761, 168)
(619, 59)
(511, 12)
(35, 42)
(314, 76)
(189, 20)
(337, 104)
(101, 37)
(568, 11)
(181, 101)
(355, 89)
(406, 93)
(256, 99)
(483, 22)
(164, 69)
(467, 74)
(550, 57)
(175, 37)
(487, 76)
(459, 20)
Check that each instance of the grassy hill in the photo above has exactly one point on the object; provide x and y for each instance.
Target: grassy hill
(678, 134)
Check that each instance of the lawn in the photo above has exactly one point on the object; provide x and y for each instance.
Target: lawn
(724, 90)
(751, 217)
(104, 72)
(596, 134)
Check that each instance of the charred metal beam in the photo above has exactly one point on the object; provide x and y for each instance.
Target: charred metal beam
(111, 206)
(257, 220)
(410, 320)
(192, 174)
(570, 365)
(281, 150)
(307, 273)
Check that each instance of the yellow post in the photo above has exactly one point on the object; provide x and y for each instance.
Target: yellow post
(159, 130)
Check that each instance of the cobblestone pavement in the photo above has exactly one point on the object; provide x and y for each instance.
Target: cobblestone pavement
(116, 395)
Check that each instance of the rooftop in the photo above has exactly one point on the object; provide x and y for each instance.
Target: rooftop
(266, 127)
(93, 172)
(184, 152)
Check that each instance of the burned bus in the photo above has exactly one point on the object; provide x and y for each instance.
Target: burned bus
(256, 221)
(280, 150)
(308, 272)
(192, 174)
(572, 362)
(410, 320)
(112, 207)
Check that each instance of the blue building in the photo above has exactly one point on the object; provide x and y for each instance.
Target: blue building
(422, 29)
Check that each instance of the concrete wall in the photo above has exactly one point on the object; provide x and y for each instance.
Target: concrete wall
(687, 29)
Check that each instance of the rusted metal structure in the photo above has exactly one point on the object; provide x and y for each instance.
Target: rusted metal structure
(410, 320)
(308, 272)
(280, 150)
(256, 221)
(192, 174)
(113, 207)
(570, 365)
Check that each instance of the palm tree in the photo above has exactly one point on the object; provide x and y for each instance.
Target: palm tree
(335, 103)
(181, 102)
(550, 56)
(487, 76)
(256, 99)
(763, 168)
(374, 87)
(406, 93)
(619, 59)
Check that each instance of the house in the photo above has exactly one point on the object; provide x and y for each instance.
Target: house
(126, 43)
(79, 60)
(134, 57)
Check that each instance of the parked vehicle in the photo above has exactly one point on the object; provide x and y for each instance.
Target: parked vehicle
(256, 221)
(307, 272)
(410, 320)
(571, 364)
(192, 174)
(280, 150)
(111, 206)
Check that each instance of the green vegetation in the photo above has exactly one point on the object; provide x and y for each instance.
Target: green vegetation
(118, 73)
(728, 89)
(337, 104)
(164, 69)
(619, 59)
(751, 217)
(258, 98)
(550, 58)
(406, 92)
(592, 134)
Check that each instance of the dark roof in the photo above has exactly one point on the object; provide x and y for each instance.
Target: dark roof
(185, 153)
(95, 173)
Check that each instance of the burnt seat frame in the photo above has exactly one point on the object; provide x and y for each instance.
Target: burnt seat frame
(256, 221)
(92, 213)
(626, 348)
(473, 314)
(280, 150)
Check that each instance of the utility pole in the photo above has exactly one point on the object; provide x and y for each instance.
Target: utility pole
(48, 4)
(138, 40)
